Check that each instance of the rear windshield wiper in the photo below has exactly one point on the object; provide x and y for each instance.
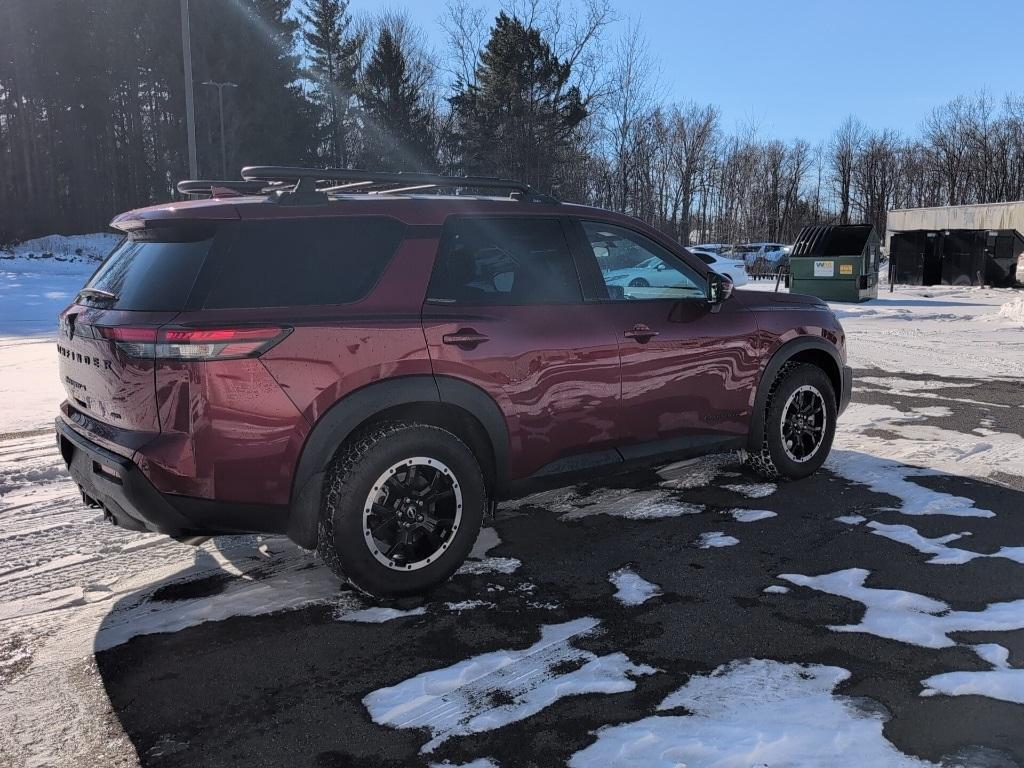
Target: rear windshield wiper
(98, 293)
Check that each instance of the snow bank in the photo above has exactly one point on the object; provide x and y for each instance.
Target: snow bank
(53, 250)
(1013, 310)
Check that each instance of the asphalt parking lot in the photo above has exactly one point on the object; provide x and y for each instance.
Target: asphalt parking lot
(303, 687)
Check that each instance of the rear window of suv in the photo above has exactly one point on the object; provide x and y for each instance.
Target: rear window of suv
(304, 262)
(148, 276)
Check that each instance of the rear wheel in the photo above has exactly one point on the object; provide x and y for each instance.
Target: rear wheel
(639, 282)
(402, 507)
(799, 423)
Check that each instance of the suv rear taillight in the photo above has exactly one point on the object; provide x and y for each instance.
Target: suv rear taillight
(194, 343)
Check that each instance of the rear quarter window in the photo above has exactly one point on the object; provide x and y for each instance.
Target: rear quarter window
(150, 276)
(304, 262)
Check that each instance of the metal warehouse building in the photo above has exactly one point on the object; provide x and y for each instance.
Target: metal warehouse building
(956, 245)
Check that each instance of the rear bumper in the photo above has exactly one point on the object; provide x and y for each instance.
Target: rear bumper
(847, 391)
(126, 495)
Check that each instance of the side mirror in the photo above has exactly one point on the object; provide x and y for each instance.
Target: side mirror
(719, 288)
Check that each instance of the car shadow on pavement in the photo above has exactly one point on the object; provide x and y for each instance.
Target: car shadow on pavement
(287, 687)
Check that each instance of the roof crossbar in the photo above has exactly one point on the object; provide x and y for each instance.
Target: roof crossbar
(398, 190)
(341, 187)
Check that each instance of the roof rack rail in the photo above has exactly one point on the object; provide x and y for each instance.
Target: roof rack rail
(218, 188)
(299, 186)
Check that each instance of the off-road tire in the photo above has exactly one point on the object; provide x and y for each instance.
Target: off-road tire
(348, 482)
(771, 461)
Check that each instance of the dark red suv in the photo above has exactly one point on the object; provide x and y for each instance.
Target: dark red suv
(368, 362)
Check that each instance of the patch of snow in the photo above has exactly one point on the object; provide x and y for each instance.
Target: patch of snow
(695, 473)
(893, 477)
(494, 689)
(486, 540)
(631, 588)
(479, 562)
(632, 505)
(468, 605)
(1013, 310)
(934, 411)
(751, 515)
(752, 712)
(480, 762)
(996, 655)
(716, 539)
(906, 616)
(886, 432)
(941, 554)
(753, 490)
(489, 565)
(851, 519)
(776, 589)
(284, 591)
(1002, 684)
(376, 614)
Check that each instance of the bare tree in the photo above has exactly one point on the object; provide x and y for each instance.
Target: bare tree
(629, 107)
(843, 152)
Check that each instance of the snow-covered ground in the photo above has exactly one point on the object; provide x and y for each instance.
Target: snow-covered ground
(71, 585)
(944, 330)
(38, 278)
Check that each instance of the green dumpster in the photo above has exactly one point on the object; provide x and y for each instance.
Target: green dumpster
(836, 262)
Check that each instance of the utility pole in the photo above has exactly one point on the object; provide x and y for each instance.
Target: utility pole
(220, 100)
(190, 110)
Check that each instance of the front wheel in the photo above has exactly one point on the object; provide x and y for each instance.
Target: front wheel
(402, 508)
(639, 282)
(799, 423)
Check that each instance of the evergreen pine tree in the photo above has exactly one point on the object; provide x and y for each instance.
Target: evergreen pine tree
(334, 66)
(397, 127)
(520, 116)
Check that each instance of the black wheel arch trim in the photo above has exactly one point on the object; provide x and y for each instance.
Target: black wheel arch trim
(781, 356)
(355, 408)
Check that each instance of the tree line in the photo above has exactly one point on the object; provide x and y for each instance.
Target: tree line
(92, 117)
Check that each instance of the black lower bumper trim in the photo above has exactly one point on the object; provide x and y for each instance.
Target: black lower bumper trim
(125, 494)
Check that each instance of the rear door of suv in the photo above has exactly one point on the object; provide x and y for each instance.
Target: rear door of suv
(505, 311)
(688, 367)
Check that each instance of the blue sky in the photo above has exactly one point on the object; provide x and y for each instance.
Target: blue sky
(796, 68)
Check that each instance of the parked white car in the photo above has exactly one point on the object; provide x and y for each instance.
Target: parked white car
(719, 248)
(752, 252)
(723, 265)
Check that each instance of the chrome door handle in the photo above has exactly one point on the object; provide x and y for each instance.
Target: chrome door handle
(466, 338)
(641, 333)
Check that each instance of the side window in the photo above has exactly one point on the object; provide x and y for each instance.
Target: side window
(507, 261)
(634, 267)
(707, 258)
(304, 262)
